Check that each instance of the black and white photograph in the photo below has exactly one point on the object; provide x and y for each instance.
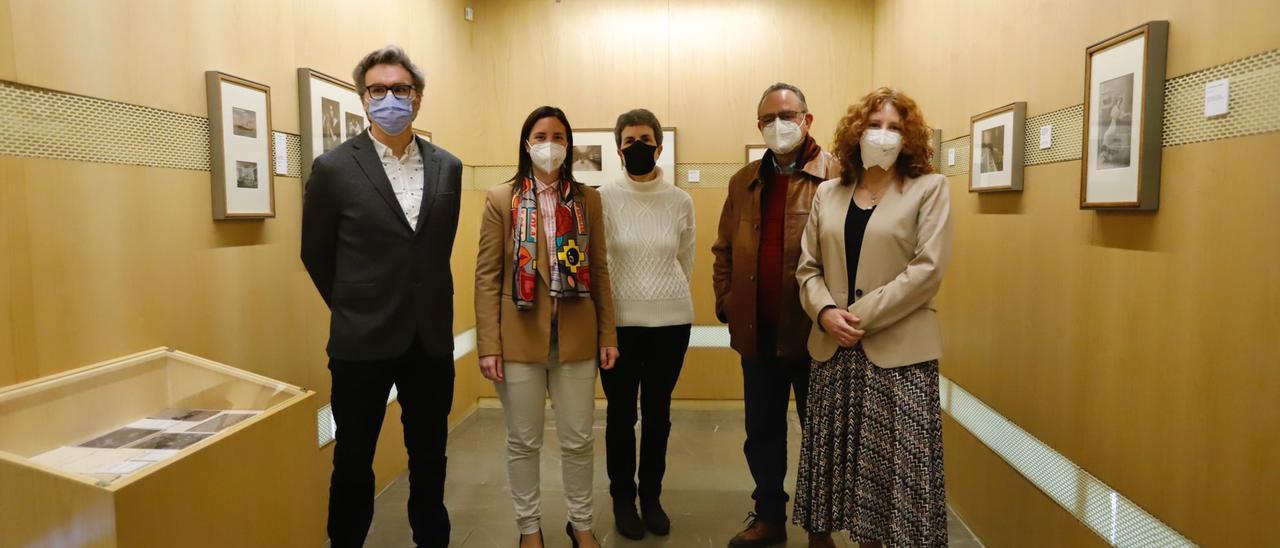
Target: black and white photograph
(240, 142)
(330, 109)
(118, 438)
(1115, 119)
(246, 175)
(1124, 119)
(221, 422)
(993, 149)
(587, 158)
(244, 122)
(185, 415)
(330, 123)
(355, 124)
(169, 440)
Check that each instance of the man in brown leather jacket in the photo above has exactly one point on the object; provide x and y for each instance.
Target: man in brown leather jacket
(756, 252)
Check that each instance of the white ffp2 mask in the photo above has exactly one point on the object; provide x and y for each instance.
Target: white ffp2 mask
(782, 136)
(880, 148)
(547, 156)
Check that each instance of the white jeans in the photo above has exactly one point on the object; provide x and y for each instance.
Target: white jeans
(572, 387)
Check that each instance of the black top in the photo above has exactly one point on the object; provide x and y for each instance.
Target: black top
(855, 226)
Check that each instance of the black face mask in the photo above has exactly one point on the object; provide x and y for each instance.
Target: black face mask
(639, 157)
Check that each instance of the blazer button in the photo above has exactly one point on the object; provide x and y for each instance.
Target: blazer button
(752, 277)
(756, 227)
(857, 293)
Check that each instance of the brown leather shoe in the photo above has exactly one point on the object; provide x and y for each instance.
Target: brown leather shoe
(759, 533)
(821, 540)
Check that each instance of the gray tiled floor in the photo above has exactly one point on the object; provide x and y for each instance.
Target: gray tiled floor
(707, 490)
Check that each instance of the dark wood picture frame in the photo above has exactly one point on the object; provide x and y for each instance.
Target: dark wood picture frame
(1015, 156)
(219, 147)
(305, 99)
(1155, 50)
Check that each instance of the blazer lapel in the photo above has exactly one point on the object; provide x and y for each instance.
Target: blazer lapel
(367, 157)
(431, 178)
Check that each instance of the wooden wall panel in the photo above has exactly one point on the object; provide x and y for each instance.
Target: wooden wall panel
(1132, 343)
(698, 65)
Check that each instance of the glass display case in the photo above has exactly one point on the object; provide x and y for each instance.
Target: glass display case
(160, 448)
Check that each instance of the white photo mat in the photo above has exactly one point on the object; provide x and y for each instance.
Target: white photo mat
(240, 138)
(1112, 182)
(609, 168)
(992, 168)
(329, 108)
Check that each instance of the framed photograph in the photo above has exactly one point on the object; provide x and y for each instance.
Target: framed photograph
(1123, 119)
(755, 152)
(935, 144)
(596, 161)
(243, 183)
(424, 134)
(995, 148)
(331, 112)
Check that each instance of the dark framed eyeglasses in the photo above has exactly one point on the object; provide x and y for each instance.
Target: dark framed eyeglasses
(788, 115)
(379, 91)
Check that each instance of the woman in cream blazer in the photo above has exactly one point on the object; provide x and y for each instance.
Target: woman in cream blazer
(871, 262)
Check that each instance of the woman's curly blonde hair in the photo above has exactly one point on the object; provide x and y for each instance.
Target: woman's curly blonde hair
(917, 151)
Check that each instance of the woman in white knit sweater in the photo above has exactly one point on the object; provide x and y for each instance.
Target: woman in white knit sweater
(650, 230)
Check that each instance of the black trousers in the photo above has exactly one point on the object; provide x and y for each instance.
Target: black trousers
(649, 363)
(767, 383)
(360, 390)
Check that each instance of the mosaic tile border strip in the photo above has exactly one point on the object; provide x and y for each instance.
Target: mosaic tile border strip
(42, 123)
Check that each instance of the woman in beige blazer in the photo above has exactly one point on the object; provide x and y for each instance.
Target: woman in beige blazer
(871, 261)
(544, 316)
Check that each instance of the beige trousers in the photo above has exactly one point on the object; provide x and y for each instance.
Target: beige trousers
(572, 387)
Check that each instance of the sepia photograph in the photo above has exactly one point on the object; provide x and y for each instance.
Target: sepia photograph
(118, 438)
(169, 440)
(244, 122)
(355, 124)
(246, 175)
(186, 415)
(587, 158)
(330, 123)
(993, 149)
(1115, 121)
(996, 156)
(221, 422)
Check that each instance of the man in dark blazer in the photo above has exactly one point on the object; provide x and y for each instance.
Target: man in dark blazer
(378, 224)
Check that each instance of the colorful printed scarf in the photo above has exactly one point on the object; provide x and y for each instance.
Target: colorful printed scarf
(571, 243)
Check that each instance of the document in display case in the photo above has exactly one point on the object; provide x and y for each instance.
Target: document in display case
(160, 448)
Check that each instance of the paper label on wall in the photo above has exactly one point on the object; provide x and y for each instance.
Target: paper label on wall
(951, 156)
(695, 175)
(1217, 97)
(281, 148)
(1046, 136)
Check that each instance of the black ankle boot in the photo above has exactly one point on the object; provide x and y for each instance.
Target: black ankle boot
(626, 520)
(655, 518)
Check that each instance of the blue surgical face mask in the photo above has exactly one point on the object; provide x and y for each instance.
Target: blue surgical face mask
(391, 114)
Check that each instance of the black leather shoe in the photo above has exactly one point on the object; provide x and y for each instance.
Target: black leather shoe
(626, 520)
(568, 530)
(655, 518)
